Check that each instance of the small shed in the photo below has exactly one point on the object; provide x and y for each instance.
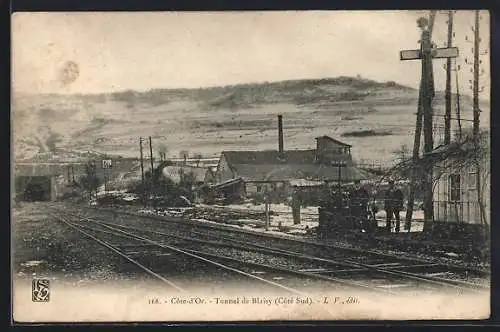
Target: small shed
(462, 181)
(231, 191)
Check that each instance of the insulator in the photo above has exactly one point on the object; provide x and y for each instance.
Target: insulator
(458, 67)
(480, 61)
(466, 38)
(470, 81)
(466, 61)
(453, 34)
(471, 70)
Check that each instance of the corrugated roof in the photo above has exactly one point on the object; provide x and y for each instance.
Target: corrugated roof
(334, 140)
(269, 157)
(286, 172)
(228, 183)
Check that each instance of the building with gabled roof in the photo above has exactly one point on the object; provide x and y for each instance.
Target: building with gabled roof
(328, 138)
(458, 169)
(330, 162)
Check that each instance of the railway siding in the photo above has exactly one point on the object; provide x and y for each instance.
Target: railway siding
(377, 246)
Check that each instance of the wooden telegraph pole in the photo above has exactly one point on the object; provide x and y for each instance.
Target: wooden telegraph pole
(475, 98)
(151, 158)
(142, 174)
(151, 189)
(447, 116)
(477, 111)
(424, 116)
(418, 133)
(428, 130)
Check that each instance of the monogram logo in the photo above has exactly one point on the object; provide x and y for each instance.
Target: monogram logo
(40, 290)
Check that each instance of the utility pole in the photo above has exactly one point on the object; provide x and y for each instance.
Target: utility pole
(426, 53)
(475, 99)
(266, 202)
(447, 117)
(459, 123)
(142, 174)
(427, 117)
(105, 181)
(418, 129)
(151, 159)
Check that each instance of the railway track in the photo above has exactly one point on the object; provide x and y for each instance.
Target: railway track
(260, 274)
(326, 250)
(349, 271)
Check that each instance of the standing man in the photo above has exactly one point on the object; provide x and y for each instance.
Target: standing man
(296, 204)
(359, 203)
(393, 204)
(388, 204)
(398, 201)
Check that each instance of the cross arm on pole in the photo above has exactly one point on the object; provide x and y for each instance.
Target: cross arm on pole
(436, 53)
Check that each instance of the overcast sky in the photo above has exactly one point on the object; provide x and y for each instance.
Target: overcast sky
(119, 51)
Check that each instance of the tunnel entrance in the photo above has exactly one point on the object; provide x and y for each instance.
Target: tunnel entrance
(33, 188)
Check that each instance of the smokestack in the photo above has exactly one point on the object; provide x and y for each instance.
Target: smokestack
(280, 135)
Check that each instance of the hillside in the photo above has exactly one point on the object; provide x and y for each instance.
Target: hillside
(376, 118)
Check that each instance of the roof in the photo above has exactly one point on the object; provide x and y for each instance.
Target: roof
(228, 183)
(305, 183)
(334, 140)
(269, 157)
(172, 172)
(449, 148)
(311, 172)
(465, 149)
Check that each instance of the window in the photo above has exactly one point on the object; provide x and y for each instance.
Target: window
(471, 185)
(259, 188)
(454, 182)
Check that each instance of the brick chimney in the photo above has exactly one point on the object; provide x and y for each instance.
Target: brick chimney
(280, 136)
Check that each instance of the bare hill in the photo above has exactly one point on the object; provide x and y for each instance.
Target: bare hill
(209, 120)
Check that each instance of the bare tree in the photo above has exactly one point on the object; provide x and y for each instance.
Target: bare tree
(184, 154)
(402, 154)
(198, 158)
(162, 151)
(89, 181)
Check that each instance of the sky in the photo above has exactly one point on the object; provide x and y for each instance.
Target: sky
(141, 51)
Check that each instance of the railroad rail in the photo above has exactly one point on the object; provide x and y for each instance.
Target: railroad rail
(236, 266)
(319, 268)
(234, 231)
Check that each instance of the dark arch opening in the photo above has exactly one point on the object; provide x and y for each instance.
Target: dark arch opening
(35, 192)
(36, 188)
